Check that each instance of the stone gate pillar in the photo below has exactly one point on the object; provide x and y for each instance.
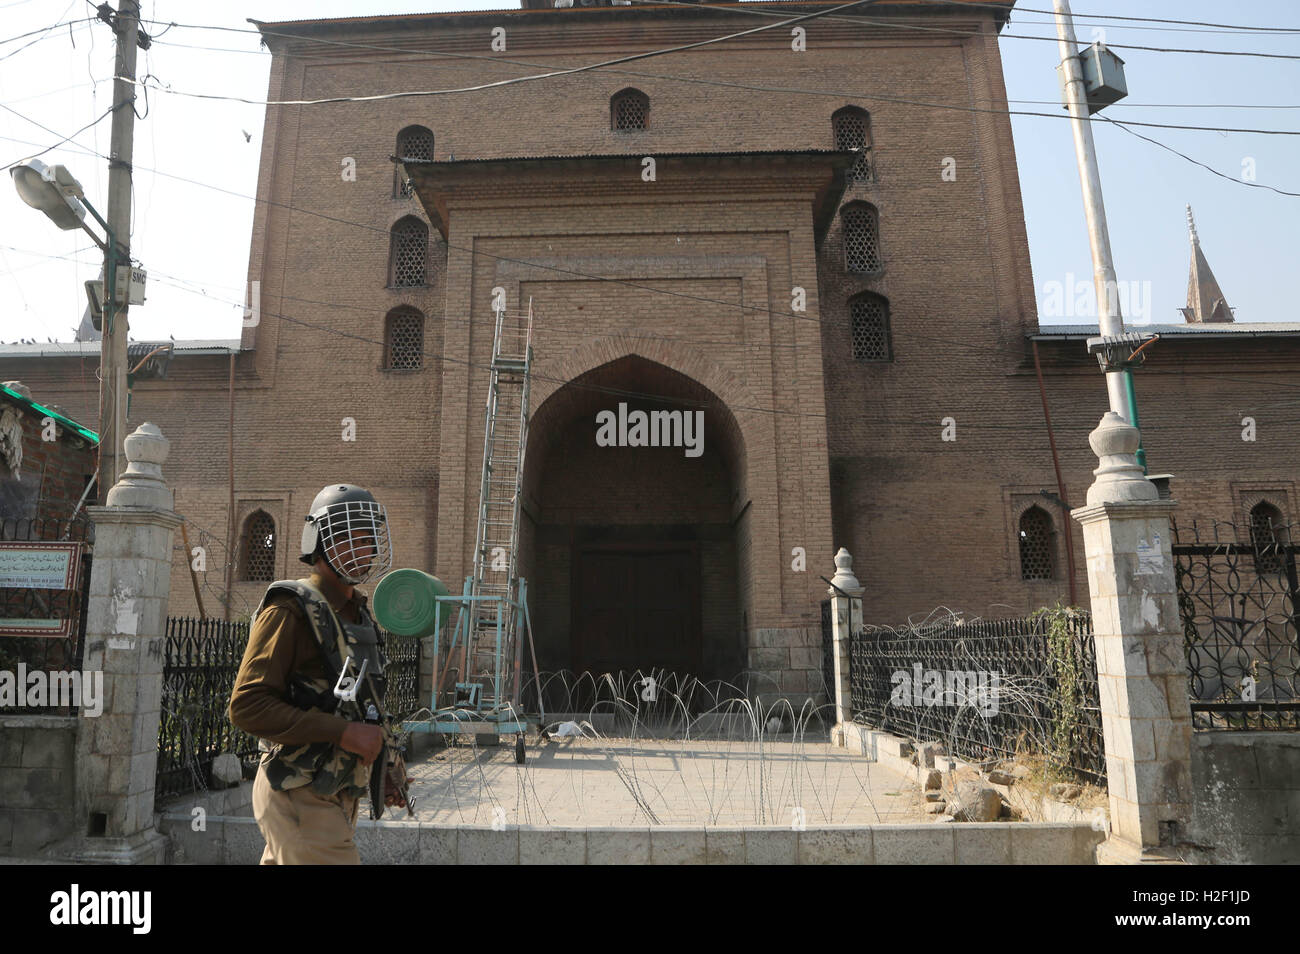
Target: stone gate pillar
(117, 752)
(1141, 663)
(846, 615)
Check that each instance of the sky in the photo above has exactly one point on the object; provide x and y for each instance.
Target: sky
(197, 160)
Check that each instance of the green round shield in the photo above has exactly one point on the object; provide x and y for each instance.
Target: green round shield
(405, 603)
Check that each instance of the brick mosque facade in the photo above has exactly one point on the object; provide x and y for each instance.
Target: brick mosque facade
(856, 327)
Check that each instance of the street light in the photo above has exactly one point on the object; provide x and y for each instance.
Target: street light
(53, 190)
(56, 192)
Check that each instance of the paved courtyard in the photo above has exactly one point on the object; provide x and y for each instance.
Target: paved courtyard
(588, 782)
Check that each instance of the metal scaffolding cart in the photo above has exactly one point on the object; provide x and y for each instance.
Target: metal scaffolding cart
(485, 699)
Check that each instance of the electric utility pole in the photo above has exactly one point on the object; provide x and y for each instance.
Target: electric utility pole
(1110, 320)
(112, 393)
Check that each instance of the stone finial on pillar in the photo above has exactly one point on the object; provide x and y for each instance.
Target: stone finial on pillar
(846, 613)
(141, 484)
(1119, 476)
(844, 577)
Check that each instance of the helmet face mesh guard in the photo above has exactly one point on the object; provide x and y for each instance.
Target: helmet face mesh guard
(352, 533)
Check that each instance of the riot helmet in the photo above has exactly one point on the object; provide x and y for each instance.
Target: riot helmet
(349, 528)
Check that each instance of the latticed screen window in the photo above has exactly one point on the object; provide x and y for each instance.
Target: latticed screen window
(1265, 522)
(629, 111)
(413, 142)
(259, 548)
(1035, 545)
(404, 339)
(861, 238)
(409, 250)
(853, 131)
(869, 317)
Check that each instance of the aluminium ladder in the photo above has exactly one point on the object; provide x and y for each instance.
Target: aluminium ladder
(492, 651)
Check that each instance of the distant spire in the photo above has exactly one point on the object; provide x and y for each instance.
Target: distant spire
(1205, 301)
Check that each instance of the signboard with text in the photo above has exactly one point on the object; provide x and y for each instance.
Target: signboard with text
(35, 565)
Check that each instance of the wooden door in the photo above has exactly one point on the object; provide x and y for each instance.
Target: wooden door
(636, 607)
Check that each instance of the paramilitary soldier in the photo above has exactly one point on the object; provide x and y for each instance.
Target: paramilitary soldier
(311, 686)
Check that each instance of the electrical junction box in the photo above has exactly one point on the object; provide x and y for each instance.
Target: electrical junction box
(1103, 77)
(130, 280)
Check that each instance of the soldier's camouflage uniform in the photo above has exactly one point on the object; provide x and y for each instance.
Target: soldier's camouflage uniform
(306, 795)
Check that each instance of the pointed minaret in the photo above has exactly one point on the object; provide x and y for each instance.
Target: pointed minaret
(1205, 301)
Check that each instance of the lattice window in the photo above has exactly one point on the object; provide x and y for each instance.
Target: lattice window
(869, 318)
(404, 340)
(413, 142)
(861, 238)
(1036, 545)
(852, 128)
(408, 253)
(259, 548)
(1265, 524)
(629, 111)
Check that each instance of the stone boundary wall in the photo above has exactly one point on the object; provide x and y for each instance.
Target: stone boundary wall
(1246, 797)
(896, 753)
(36, 781)
(234, 802)
(237, 841)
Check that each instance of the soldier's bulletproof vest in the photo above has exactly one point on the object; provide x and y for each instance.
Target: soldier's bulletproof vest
(323, 765)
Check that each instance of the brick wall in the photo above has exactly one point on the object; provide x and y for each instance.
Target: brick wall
(52, 474)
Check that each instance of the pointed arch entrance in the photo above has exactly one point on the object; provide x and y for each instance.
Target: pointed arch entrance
(630, 530)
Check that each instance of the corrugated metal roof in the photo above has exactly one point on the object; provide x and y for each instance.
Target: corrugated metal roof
(43, 411)
(86, 349)
(1235, 329)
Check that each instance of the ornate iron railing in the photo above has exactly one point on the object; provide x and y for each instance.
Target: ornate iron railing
(1239, 601)
(201, 662)
(828, 650)
(403, 694)
(47, 653)
(989, 689)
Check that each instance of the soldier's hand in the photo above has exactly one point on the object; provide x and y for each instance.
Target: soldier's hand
(396, 782)
(363, 739)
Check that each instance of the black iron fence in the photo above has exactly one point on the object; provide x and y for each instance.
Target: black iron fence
(989, 689)
(1239, 601)
(828, 650)
(58, 653)
(402, 697)
(201, 662)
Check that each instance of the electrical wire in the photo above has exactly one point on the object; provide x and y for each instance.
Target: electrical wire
(1116, 16)
(553, 72)
(47, 29)
(896, 24)
(947, 342)
(1197, 162)
(51, 131)
(624, 393)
